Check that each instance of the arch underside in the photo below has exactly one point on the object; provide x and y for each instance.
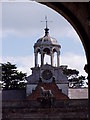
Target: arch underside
(72, 12)
(78, 15)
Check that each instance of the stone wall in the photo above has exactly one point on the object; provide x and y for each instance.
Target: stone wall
(73, 93)
(13, 94)
(32, 110)
(78, 93)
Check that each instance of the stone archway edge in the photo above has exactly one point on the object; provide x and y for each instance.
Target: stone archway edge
(61, 0)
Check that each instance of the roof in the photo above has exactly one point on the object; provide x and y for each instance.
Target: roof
(78, 93)
(47, 86)
(46, 40)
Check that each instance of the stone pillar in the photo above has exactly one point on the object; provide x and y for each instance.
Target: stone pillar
(36, 59)
(52, 58)
(42, 58)
(58, 58)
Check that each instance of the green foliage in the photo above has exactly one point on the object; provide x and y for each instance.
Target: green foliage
(11, 78)
(69, 72)
(73, 77)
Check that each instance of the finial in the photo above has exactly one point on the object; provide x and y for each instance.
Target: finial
(46, 21)
(46, 29)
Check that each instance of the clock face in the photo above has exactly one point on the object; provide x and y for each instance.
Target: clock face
(46, 74)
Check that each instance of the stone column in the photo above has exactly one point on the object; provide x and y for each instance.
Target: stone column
(58, 58)
(52, 58)
(36, 59)
(42, 58)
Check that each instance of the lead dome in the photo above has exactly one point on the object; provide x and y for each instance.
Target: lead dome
(46, 40)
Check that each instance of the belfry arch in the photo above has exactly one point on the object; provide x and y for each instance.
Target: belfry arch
(47, 46)
(78, 15)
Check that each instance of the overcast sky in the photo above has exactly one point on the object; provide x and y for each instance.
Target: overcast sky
(21, 28)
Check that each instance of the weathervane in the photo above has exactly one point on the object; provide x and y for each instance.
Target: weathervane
(46, 21)
(46, 29)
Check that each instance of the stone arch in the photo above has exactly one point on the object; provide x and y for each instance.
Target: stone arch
(55, 56)
(38, 50)
(46, 50)
(55, 49)
(36, 53)
(46, 53)
(78, 15)
(79, 22)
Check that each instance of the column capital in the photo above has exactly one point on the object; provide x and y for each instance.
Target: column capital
(58, 52)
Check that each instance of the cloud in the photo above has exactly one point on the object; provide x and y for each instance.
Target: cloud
(23, 19)
(74, 61)
(23, 63)
(21, 16)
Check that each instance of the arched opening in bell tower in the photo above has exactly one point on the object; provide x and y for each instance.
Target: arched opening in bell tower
(38, 60)
(55, 59)
(46, 53)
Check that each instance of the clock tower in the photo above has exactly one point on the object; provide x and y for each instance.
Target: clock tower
(45, 72)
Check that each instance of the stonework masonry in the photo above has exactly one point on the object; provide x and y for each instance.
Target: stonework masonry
(31, 110)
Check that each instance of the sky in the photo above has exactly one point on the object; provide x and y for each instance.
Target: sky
(22, 27)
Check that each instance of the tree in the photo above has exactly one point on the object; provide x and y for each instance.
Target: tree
(11, 78)
(73, 77)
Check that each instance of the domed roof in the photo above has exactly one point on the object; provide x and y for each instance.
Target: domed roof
(47, 40)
